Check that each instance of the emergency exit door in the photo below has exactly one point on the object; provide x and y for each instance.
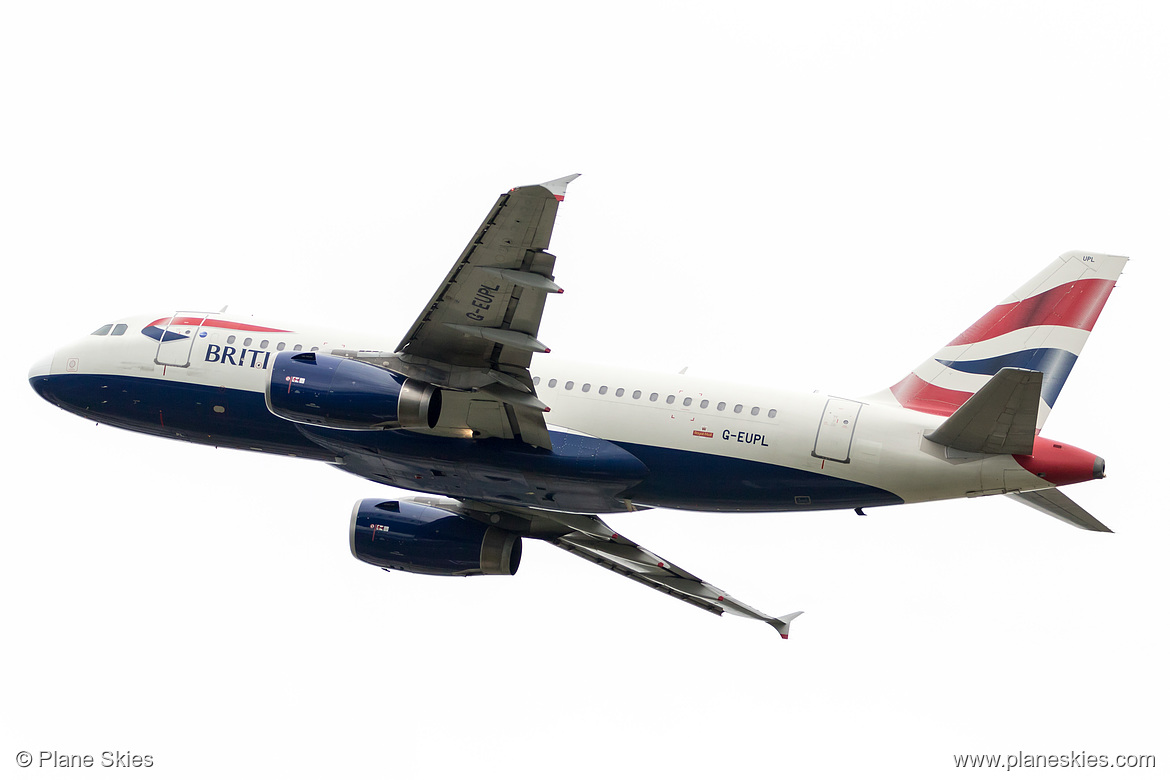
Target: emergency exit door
(835, 436)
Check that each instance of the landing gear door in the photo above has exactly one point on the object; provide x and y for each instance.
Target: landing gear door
(835, 435)
(178, 338)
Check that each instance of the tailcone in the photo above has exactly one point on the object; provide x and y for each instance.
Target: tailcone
(1062, 464)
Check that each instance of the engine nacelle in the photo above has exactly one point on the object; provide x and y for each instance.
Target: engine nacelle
(425, 539)
(337, 392)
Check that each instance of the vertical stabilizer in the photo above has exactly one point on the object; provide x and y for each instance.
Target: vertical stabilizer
(1042, 326)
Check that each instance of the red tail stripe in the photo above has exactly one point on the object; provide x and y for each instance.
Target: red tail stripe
(921, 396)
(1073, 305)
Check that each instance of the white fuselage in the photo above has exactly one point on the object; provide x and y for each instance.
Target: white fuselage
(862, 442)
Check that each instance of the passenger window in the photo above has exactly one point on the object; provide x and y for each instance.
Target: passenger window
(687, 401)
(755, 411)
(704, 403)
(280, 347)
(722, 405)
(771, 413)
(585, 388)
(104, 330)
(119, 329)
(296, 348)
(569, 385)
(247, 342)
(670, 399)
(654, 396)
(601, 390)
(232, 339)
(314, 349)
(620, 392)
(264, 344)
(552, 383)
(637, 394)
(738, 408)
(535, 381)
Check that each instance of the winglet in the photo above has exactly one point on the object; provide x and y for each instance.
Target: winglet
(558, 186)
(781, 624)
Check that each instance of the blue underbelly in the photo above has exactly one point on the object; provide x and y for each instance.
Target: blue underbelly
(681, 479)
(218, 416)
(580, 474)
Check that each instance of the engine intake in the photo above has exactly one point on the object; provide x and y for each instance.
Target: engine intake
(337, 392)
(425, 539)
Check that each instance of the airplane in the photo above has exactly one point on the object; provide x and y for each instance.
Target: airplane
(508, 443)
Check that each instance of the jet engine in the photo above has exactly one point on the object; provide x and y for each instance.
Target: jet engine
(337, 392)
(424, 539)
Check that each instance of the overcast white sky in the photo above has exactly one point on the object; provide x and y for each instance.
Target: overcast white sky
(813, 197)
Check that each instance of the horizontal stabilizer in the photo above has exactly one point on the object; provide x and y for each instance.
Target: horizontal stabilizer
(1000, 419)
(1056, 504)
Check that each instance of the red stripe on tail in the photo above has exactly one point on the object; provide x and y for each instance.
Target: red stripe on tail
(1073, 305)
(921, 396)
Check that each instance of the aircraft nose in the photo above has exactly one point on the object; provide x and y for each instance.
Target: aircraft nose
(38, 376)
(42, 367)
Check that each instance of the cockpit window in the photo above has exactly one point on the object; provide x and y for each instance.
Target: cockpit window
(119, 329)
(103, 330)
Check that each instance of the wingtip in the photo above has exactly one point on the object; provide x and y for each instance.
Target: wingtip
(558, 187)
(783, 624)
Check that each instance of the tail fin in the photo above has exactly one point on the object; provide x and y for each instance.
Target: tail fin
(1042, 327)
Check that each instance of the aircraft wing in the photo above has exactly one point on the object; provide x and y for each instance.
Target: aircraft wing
(590, 538)
(479, 330)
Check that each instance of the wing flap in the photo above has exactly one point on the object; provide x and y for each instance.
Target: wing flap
(531, 427)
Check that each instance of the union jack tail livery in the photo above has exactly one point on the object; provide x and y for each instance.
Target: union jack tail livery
(1041, 327)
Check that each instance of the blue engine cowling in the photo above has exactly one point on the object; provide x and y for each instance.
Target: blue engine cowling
(425, 539)
(337, 392)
